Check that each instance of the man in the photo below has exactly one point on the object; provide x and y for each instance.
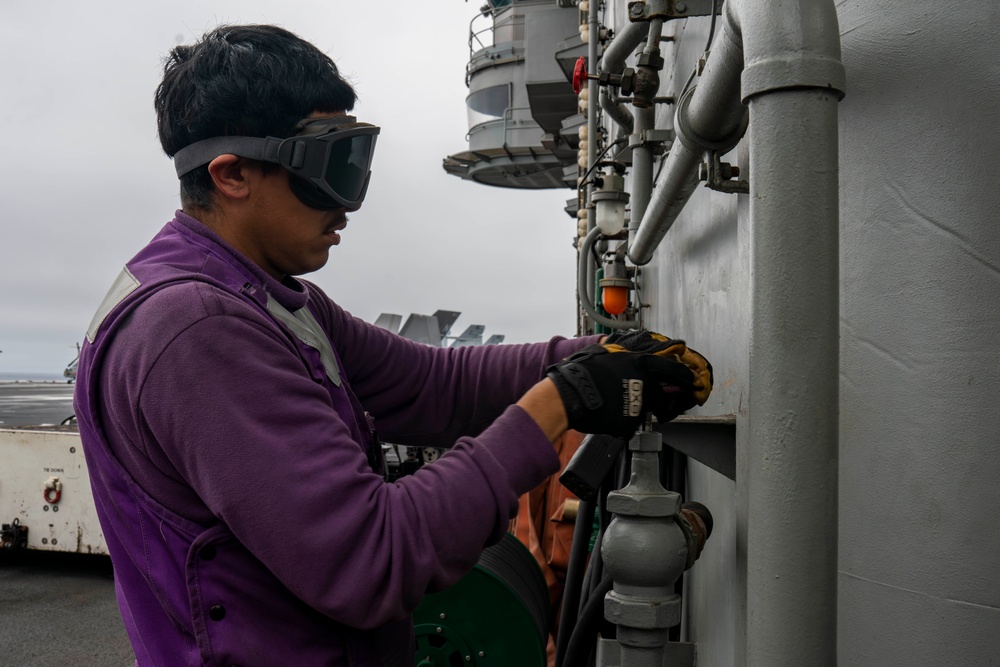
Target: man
(226, 408)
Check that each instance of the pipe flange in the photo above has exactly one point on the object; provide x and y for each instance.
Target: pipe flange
(697, 143)
(793, 72)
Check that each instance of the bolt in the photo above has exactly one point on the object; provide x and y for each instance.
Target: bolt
(482, 654)
(72, 450)
(45, 508)
(635, 10)
(54, 541)
(55, 508)
(439, 629)
(468, 658)
(442, 615)
(45, 540)
(681, 7)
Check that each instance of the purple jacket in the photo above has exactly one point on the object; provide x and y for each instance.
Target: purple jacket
(229, 465)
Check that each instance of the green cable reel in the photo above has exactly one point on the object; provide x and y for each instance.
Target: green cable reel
(497, 615)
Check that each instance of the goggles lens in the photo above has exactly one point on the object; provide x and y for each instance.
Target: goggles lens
(348, 164)
(332, 159)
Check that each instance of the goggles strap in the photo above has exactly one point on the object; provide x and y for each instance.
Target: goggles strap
(202, 152)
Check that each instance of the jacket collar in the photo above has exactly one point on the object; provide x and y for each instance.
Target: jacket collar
(289, 292)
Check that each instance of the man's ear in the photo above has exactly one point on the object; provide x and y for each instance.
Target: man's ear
(229, 173)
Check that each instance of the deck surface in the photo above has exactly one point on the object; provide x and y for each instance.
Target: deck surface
(55, 608)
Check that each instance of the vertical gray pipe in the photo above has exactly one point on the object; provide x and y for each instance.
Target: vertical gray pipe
(642, 154)
(792, 81)
(642, 171)
(793, 384)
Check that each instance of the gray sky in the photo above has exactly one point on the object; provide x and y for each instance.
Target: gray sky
(84, 184)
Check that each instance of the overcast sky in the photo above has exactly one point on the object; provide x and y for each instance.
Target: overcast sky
(84, 183)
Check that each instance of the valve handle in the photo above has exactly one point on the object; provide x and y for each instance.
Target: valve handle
(579, 74)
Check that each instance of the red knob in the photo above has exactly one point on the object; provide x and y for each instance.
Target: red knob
(579, 74)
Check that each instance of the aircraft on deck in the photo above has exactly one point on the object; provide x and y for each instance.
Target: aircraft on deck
(435, 329)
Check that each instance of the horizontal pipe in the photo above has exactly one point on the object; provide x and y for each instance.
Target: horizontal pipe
(717, 125)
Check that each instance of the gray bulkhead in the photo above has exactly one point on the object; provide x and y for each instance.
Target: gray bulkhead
(919, 502)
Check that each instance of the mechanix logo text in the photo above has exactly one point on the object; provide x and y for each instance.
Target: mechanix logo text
(632, 397)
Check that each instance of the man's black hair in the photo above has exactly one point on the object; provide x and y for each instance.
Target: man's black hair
(242, 80)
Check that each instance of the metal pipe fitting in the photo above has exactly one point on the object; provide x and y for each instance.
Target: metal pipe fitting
(613, 62)
(644, 550)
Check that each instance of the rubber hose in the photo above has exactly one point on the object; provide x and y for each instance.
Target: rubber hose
(575, 569)
(584, 639)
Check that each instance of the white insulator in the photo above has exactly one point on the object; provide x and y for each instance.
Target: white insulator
(581, 213)
(581, 228)
(583, 106)
(584, 6)
(582, 161)
(584, 131)
(585, 34)
(585, 93)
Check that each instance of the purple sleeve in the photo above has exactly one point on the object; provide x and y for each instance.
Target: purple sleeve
(260, 444)
(423, 395)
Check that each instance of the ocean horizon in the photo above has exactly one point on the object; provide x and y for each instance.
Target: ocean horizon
(29, 376)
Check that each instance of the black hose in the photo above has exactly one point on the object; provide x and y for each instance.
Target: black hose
(596, 568)
(575, 568)
(584, 639)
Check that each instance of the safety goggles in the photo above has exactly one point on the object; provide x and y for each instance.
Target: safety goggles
(330, 157)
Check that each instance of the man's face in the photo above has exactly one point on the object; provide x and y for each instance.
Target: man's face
(283, 235)
(288, 237)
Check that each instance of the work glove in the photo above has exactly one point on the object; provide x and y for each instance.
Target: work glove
(607, 389)
(640, 340)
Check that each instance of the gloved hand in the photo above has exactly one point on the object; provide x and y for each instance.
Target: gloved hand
(640, 340)
(607, 389)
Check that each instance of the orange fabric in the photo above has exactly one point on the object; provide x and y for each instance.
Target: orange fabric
(541, 526)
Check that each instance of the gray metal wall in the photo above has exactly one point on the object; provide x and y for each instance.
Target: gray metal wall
(920, 339)
(920, 334)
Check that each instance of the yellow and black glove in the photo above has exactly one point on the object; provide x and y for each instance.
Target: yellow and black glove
(640, 340)
(607, 389)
